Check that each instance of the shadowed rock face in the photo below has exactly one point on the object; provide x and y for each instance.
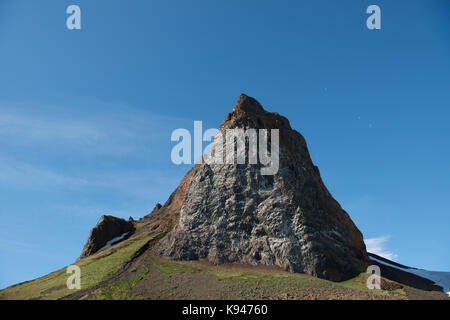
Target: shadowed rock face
(107, 228)
(232, 213)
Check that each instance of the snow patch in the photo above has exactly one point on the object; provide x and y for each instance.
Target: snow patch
(439, 278)
(114, 240)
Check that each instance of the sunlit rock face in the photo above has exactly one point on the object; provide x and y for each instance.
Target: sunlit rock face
(234, 213)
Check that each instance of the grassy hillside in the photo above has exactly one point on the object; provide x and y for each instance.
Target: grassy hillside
(94, 270)
(132, 270)
(187, 280)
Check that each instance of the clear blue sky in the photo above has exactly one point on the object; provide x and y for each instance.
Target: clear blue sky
(86, 116)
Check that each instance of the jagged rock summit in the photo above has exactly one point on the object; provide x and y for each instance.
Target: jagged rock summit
(107, 229)
(233, 213)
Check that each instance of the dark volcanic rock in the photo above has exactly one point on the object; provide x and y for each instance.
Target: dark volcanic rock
(233, 213)
(156, 208)
(107, 228)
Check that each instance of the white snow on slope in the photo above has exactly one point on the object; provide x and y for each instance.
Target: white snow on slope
(439, 278)
(114, 240)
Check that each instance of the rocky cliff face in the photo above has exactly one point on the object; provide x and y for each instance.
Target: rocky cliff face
(107, 229)
(233, 213)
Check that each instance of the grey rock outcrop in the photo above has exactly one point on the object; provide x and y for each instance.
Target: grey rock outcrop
(107, 228)
(233, 213)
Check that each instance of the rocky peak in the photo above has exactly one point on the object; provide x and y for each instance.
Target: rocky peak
(248, 113)
(107, 228)
(248, 104)
(232, 213)
(156, 208)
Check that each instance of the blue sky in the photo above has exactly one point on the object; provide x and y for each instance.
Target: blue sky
(86, 115)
